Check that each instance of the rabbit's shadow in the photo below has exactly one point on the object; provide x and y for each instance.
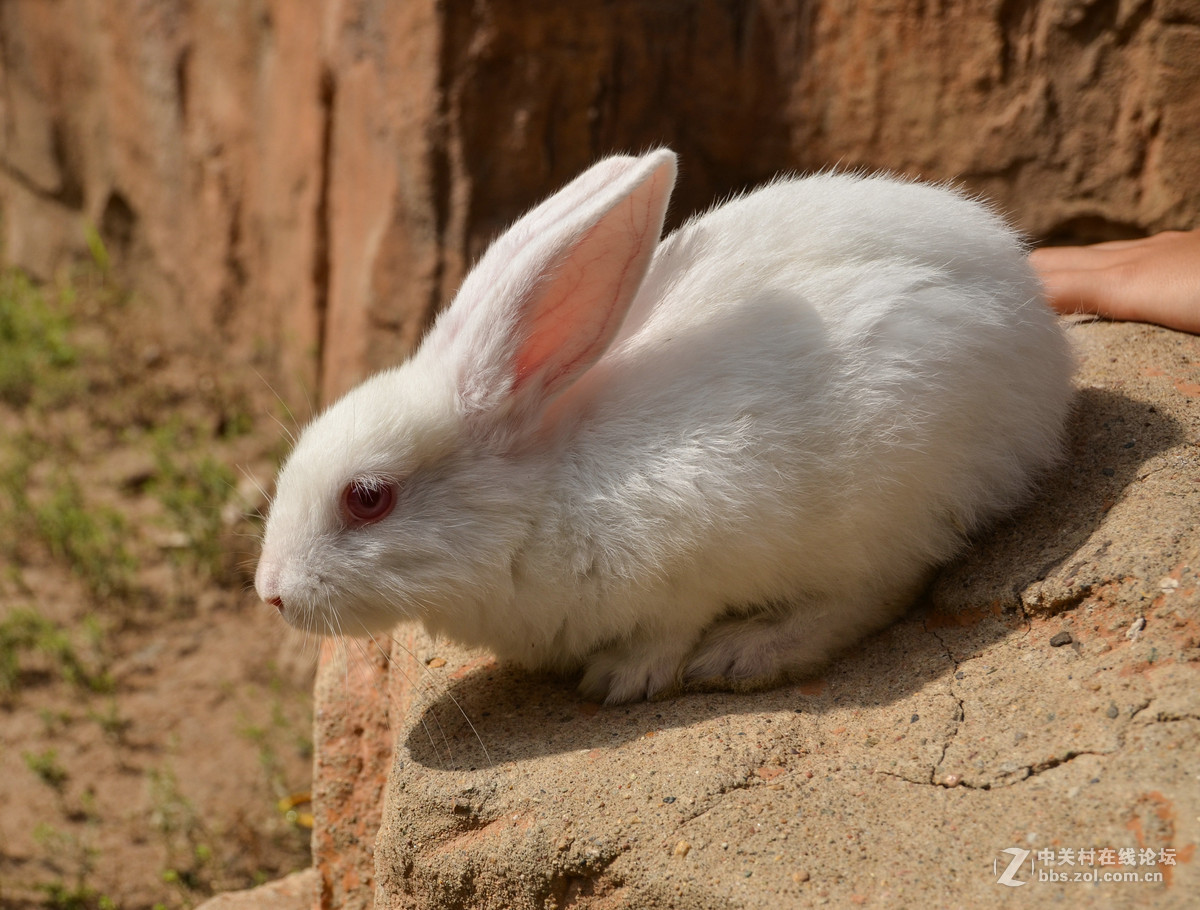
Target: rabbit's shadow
(516, 715)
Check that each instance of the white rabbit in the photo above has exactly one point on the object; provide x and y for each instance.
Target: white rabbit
(729, 454)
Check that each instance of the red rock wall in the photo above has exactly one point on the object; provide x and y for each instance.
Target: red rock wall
(306, 183)
(190, 135)
(1082, 118)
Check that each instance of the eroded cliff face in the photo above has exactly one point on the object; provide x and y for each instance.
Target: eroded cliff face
(190, 136)
(307, 183)
(1079, 118)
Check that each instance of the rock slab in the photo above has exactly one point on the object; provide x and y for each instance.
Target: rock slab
(1043, 700)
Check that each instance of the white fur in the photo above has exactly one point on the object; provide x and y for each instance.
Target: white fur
(733, 466)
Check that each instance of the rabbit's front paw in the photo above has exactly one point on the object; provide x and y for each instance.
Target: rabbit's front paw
(632, 671)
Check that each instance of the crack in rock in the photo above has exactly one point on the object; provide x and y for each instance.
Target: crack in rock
(1165, 717)
(1021, 772)
(959, 712)
(1069, 756)
(1029, 771)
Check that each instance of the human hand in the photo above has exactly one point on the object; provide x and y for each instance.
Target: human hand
(1154, 279)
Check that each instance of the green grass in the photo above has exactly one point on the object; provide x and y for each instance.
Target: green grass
(18, 454)
(36, 359)
(39, 369)
(87, 537)
(184, 834)
(113, 724)
(40, 496)
(94, 463)
(193, 488)
(26, 636)
(47, 768)
(60, 896)
(69, 849)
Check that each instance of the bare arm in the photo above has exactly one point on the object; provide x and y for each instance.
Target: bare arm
(1155, 279)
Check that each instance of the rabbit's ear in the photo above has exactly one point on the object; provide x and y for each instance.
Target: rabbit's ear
(548, 298)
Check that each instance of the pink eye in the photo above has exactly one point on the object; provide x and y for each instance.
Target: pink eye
(365, 502)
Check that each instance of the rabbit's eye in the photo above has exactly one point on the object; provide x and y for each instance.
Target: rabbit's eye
(365, 502)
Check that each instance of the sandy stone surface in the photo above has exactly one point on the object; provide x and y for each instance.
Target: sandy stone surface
(296, 890)
(1043, 700)
(1041, 705)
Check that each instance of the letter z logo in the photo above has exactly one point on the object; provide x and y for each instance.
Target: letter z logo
(1006, 877)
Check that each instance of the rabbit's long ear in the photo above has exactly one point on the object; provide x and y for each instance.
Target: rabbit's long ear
(548, 297)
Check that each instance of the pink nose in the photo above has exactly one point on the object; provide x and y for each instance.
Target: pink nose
(277, 602)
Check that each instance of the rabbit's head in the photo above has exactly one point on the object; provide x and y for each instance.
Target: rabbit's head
(414, 489)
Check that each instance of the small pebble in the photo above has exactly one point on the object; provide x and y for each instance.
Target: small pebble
(668, 799)
(1113, 711)
(682, 848)
(437, 662)
(1060, 639)
(915, 718)
(800, 877)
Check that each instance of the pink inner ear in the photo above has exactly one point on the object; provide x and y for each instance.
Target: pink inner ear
(576, 310)
(577, 313)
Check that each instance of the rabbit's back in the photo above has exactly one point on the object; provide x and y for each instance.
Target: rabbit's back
(830, 381)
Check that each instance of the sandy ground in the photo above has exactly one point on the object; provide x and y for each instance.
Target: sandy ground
(152, 712)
